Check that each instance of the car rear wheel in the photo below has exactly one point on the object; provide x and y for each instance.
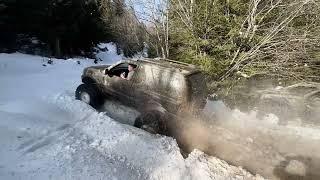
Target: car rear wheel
(88, 94)
(150, 121)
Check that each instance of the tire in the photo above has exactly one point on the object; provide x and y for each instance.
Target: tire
(151, 121)
(88, 94)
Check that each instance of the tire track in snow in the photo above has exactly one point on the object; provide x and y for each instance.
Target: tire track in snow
(37, 143)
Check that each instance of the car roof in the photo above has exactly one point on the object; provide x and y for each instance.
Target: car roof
(183, 68)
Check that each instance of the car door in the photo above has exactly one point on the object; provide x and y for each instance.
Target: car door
(117, 87)
(139, 88)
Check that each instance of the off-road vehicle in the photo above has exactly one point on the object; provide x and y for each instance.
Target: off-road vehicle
(158, 89)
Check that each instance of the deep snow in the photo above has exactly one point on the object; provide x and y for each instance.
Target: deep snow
(46, 134)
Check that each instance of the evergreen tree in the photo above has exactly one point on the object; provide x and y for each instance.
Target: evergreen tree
(70, 27)
(254, 37)
(206, 32)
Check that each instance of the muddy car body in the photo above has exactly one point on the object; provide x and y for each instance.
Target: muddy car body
(157, 88)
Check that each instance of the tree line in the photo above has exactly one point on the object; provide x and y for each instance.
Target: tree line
(232, 38)
(70, 27)
(226, 38)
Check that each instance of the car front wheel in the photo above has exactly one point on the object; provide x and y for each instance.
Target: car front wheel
(88, 94)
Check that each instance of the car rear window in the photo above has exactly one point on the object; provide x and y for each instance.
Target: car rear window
(198, 87)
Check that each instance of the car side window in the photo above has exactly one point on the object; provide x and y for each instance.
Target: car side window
(118, 70)
(123, 70)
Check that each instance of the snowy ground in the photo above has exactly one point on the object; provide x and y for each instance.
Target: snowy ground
(261, 145)
(46, 134)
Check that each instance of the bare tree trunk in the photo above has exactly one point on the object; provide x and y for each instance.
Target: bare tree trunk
(57, 47)
(156, 14)
(166, 30)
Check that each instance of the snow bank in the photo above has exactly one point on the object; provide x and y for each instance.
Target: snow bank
(260, 144)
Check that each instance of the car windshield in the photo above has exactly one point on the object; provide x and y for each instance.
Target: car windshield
(197, 82)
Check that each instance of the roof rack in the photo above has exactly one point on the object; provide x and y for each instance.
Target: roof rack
(167, 60)
(179, 62)
(147, 60)
(189, 68)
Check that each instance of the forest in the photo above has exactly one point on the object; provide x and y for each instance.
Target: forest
(68, 27)
(228, 39)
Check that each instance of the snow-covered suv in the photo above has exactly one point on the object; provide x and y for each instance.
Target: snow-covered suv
(158, 89)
